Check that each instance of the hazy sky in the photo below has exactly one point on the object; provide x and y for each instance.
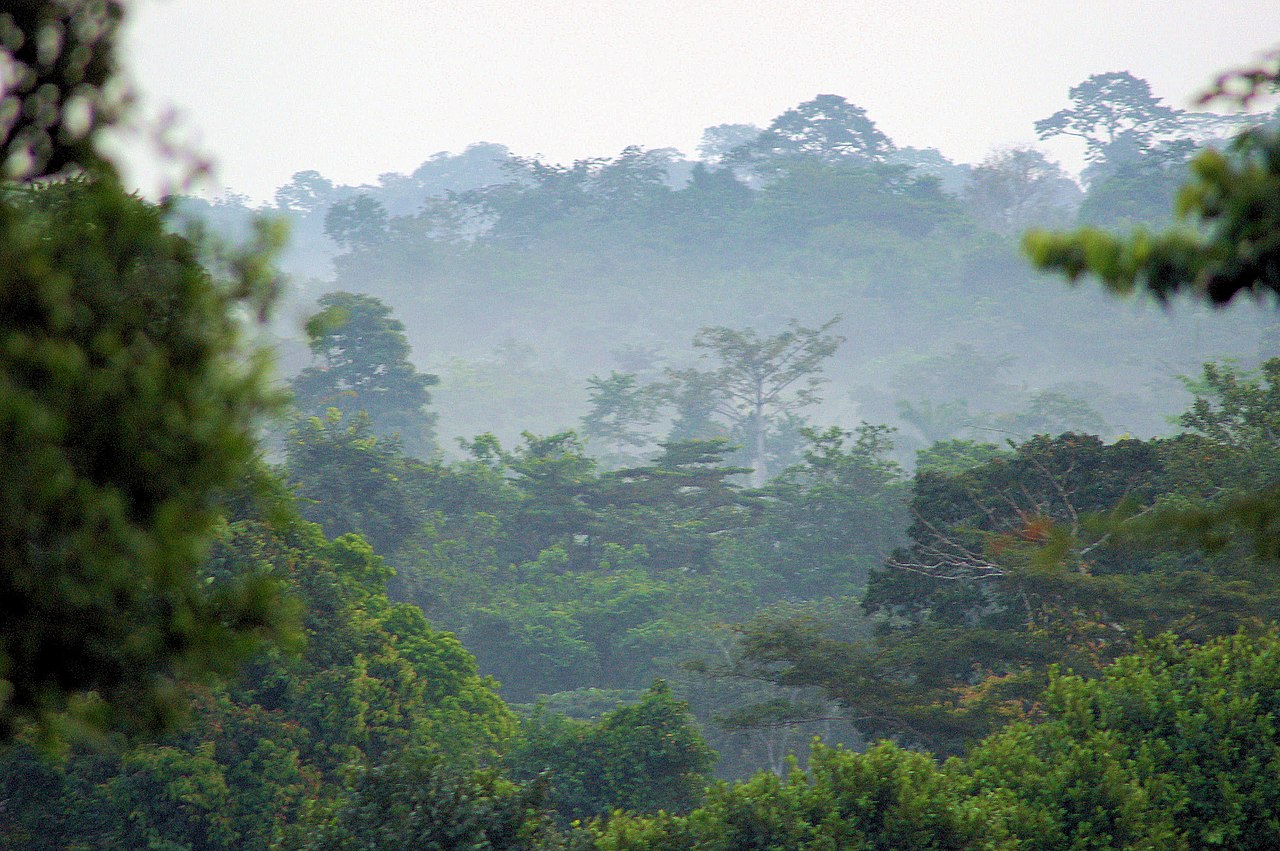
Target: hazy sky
(271, 87)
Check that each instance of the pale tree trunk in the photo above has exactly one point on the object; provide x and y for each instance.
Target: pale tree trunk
(758, 474)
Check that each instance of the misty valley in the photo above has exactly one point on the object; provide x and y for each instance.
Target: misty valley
(812, 492)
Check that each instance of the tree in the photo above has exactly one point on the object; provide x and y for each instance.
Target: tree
(365, 367)
(885, 799)
(1018, 187)
(351, 481)
(642, 758)
(1171, 748)
(677, 507)
(424, 803)
(620, 409)
(480, 164)
(759, 379)
(1039, 556)
(131, 398)
(1233, 247)
(269, 759)
(1050, 412)
(1230, 245)
(695, 394)
(828, 128)
(360, 222)
(308, 192)
(542, 197)
(721, 140)
(830, 519)
(1230, 248)
(1174, 747)
(1107, 108)
(930, 162)
(1137, 186)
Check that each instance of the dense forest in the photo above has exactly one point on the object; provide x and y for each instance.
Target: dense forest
(948, 331)
(773, 499)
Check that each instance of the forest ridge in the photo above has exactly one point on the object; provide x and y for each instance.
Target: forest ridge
(241, 611)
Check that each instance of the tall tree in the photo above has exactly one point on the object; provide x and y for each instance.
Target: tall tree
(621, 408)
(364, 366)
(828, 128)
(360, 222)
(1019, 187)
(1109, 108)
(758, 379)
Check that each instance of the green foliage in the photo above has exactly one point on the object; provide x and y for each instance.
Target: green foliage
(757, 379)
(1057, 552)
(365, 367)
(60, 67)
(620, 409)
(266, 759)
(1240, 412)
(1231, 458)
(1050, 412)
(722, 139)
(1234, 248)
(1173, 747)
(130, 397)
(887, 798)
(1229, 247)
(966, 394)
(677, 507)
(956, 456)
(351, 480)
(431, 805)
(643, 758)
(829, 520)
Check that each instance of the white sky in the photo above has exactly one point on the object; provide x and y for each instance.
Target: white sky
(355, 89)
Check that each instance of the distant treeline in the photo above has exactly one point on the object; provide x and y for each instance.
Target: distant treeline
(518, 279)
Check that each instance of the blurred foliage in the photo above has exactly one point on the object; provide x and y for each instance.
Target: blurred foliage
(131, 396)
(59, 64)
(1229, 245)
(1231, 241)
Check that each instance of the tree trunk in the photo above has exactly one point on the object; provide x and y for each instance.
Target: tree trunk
(758, 474)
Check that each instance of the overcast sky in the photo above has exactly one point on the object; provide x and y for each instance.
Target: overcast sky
(272, 87)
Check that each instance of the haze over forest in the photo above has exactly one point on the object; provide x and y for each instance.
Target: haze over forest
(808, 489)
(517, 280)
